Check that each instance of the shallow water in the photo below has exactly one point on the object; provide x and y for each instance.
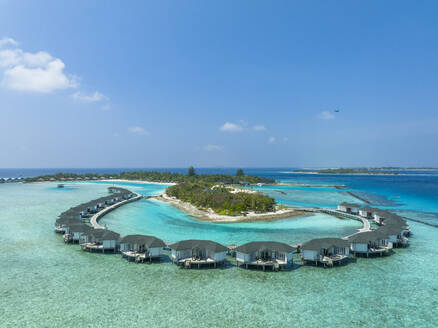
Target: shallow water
(44, 282)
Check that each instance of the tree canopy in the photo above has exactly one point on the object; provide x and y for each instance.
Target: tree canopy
(191, 171)
(220, 199)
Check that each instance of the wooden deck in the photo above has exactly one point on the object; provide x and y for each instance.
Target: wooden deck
(383, 250)
(275, 265)
(90, 247)
(139, 257)
(327, 261)
(190, 263)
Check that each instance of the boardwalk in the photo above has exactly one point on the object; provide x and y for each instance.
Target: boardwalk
(95, 218)
(366, 224)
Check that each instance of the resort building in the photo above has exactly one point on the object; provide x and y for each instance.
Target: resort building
(61, 225)
(396, 234)
(366, 212)
(381, 215)
(198, 253)
(349, 208)
(265, 254)
(370, 243)
(100, 240)
(74, 232)
(109, 201)
(141, 248)
(327, 251)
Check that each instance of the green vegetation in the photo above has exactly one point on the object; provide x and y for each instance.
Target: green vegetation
(220, 199)
(239, 173)
(348, 171)
(154, 176)
(191, 171)
(201, 190)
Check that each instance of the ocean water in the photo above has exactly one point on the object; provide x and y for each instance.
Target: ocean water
(45, 283)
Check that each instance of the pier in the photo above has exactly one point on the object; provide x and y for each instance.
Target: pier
(366, 223)
(96, 217)
(392, 231)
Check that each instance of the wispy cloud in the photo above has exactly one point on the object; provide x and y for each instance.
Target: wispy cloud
(259, 128)
(326, 115)
(94, 97)
(5, 41)
(213, 148)
(138, 130)
(272, 139)
(231, 127)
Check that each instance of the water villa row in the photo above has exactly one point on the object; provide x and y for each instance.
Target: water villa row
(392, 232)
(72, 223)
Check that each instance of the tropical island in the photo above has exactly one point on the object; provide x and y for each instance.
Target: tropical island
(212, 197)
(364, 170)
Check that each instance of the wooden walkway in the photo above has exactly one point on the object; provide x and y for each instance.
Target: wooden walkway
(96, 217)
(366, 224)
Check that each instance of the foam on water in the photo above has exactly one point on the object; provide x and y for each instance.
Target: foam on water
(44, 282)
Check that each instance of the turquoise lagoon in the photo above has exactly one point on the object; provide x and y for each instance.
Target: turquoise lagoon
(45, 283)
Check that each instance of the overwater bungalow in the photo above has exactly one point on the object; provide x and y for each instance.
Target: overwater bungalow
(127, 195)
(198, 253)
(349, 208)
(109, 201)
(92, 207)
(100, 240)
(73, 232)
(327, 251)
(61, 224)
(381, 215)
(141, 248)
(367, 243)
(101, 204)
(396, 234)
(265, 254)
(366, 212)
(83, 211)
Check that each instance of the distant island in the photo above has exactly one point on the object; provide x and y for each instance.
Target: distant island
(154, 176)
(372, 171)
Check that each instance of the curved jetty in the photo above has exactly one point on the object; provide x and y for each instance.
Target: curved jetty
(79, 224)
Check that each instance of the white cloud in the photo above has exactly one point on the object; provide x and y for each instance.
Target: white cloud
(138, 130)
(37, 72)
(231, 127)
(213, 148)
(41, 79)
(9, 57)
(94, 97)
(326, 115)
(259, 128)
(285, 139)
(272, 139)
(5, 41)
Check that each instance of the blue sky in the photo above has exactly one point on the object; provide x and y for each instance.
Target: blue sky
(225, 83)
